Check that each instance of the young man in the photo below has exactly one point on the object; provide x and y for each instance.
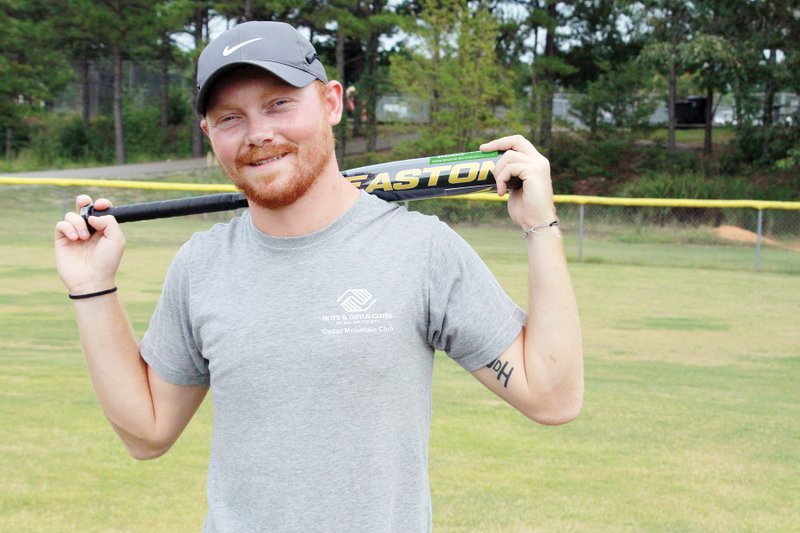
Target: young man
(313, 317)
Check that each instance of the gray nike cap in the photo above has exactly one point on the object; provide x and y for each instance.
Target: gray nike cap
(276, 47)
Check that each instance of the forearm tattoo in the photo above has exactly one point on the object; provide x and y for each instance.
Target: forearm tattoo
(503, 370)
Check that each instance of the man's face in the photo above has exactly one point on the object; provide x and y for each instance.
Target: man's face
(272, 139)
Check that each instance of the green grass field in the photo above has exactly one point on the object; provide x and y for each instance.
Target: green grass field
(691, 420)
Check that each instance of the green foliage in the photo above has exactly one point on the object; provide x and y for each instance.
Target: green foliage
(140, 135)
(56, 139)
(600, 165)
(456, 69)
(791, 161)
(598, 38)
(32, 68)
(620, 97)
(759, 147)
(179, 109)
(73, 140)
(689, 185)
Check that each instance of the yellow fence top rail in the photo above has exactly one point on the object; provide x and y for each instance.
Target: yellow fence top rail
(653, 202)
(559, 198)
(120, 184)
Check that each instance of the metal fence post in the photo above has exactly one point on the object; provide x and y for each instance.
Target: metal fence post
(758, 239)
(580, 232)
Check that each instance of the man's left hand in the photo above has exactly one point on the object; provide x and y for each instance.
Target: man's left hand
(533, 204)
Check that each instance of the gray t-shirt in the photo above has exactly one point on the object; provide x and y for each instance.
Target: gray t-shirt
(319, 353)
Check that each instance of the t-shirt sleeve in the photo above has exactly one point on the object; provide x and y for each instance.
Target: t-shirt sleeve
(470, 316)
(169, 345)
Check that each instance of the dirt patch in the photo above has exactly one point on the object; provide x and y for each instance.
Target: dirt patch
(743, 236)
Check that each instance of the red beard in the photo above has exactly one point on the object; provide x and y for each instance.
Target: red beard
(274, 190)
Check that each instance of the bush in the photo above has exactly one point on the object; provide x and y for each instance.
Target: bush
(601, 165)
(691, 186)
(73, 140)
(143, 134)
(56, 139)
(759, 147)
(688, 185)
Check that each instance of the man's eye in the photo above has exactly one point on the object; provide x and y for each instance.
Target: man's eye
(226, 119)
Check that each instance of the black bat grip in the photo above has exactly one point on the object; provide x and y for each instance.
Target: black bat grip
(168, 208)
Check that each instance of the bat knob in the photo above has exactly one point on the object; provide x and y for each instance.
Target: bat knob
(89, 211)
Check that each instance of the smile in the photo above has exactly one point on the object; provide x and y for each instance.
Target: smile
(265, 161)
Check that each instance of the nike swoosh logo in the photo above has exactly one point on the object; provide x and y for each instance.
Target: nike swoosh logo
(229, 51)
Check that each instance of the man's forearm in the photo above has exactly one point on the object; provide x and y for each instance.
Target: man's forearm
(553, 347)
(118, 373)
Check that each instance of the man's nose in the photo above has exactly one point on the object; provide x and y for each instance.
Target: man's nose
(260, 131)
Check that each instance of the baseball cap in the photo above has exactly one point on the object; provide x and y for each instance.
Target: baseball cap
(276, 47)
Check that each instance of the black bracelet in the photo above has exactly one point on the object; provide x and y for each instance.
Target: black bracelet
(91, 294)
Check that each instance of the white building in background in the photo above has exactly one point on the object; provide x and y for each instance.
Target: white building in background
(401, 108)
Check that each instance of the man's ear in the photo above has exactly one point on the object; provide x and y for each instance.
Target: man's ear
(204, 126)
(333, 100)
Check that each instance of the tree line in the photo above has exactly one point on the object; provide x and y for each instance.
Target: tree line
(480, 66)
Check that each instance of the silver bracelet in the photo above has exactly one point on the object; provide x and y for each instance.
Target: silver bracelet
(534, 229)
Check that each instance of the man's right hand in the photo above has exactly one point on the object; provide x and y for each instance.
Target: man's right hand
(88, 263)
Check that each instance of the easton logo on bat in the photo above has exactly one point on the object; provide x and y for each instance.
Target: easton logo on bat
(444, 171)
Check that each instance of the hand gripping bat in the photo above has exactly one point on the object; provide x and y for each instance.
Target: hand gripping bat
(395, 181)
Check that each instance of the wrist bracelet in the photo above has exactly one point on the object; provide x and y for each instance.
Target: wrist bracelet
(91, 294)
(534, 229)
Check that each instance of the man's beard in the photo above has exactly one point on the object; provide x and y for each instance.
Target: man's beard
(274, 190)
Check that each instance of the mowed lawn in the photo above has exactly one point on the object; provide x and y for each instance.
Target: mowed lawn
(691, 420)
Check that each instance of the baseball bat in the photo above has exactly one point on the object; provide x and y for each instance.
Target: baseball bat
(394, 181)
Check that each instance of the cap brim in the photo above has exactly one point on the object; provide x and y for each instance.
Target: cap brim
(289, 74)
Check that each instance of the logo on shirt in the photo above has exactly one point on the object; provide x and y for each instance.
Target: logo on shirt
(358, 318)
(356, 300)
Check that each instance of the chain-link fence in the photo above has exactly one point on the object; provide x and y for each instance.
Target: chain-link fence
(682, 233)
(739, 235)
